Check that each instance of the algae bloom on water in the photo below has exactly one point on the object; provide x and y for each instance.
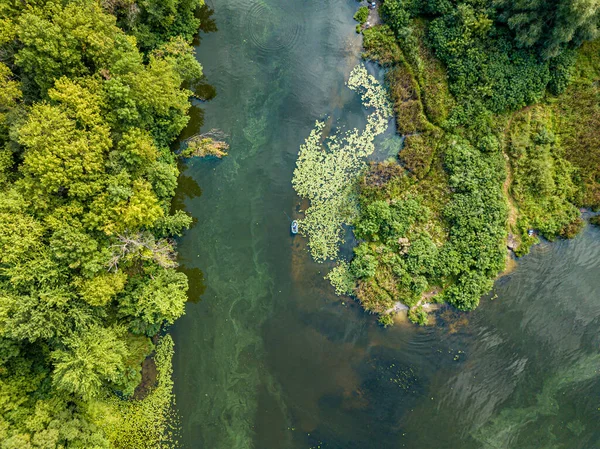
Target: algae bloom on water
(327, 169)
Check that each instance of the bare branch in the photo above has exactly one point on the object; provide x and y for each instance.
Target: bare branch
(144, 246)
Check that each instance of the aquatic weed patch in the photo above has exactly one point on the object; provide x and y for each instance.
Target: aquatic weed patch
(151, 422)
(328, 168)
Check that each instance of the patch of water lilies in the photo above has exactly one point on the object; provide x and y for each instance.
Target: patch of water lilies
(342, 280)
(328, 167)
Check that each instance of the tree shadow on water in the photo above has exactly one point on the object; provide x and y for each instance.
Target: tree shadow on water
(187, 188)
(197, 287)
(207, 24)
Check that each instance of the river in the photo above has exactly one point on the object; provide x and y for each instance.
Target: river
(267, 357)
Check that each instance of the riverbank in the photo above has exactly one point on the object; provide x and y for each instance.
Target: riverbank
(456, 162)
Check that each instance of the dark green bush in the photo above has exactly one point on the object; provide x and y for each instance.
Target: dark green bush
(474, 253)
(484, 65)
(364, 264)
(397, 16)
(561, 71)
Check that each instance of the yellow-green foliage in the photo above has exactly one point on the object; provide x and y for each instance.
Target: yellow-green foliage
(326, 172)
(341, 278)
(578, 121)
(362, 14)
(542, 180)
(101, 289)
(149, 423)
(430, 74)
(87, 265)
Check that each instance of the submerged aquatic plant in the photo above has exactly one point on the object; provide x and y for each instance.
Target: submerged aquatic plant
(341, 279)
(326, 170)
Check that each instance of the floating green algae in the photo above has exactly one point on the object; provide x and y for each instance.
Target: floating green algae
(505, 430)
(327, 169)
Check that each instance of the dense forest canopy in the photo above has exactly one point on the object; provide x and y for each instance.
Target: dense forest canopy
(90, 100)
(551, 25)
(481, 168)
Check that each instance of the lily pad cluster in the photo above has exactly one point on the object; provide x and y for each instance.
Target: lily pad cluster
(328, 167)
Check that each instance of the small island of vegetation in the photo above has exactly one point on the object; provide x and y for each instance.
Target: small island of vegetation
(497, 104)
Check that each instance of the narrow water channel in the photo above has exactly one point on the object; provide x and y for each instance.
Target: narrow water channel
(268, 358)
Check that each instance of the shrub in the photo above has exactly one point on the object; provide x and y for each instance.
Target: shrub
(380, 45)
(405, 93)
(386, 320)
(364, 264)
(362, 15)
(396, 16)
(561, 71)
(418, 316)
(542, 185)
(418, 152)
(578, 119)
(483, 63)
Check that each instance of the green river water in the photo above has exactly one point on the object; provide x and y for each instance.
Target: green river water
(268, 358)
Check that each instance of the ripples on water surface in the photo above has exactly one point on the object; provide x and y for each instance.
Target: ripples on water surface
(270, 359)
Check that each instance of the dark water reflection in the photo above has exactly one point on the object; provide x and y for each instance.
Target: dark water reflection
(271, 359)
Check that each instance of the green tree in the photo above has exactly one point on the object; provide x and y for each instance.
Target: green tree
(551, 25)
(61, 157)
(74, 40)
(162, 299)
(89, 360)
(154, 22)
(397, 16)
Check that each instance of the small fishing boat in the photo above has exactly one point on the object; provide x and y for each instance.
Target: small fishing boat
(294, 227)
